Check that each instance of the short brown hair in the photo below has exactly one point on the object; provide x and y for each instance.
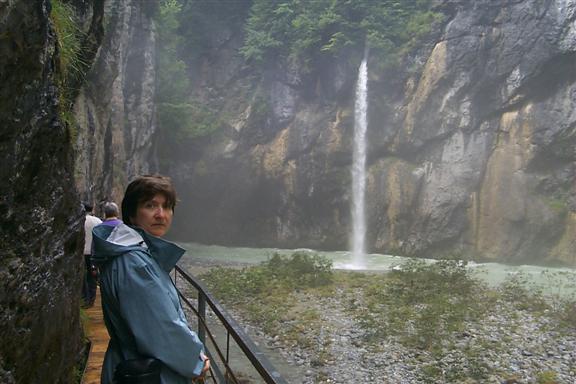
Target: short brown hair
(144, 188)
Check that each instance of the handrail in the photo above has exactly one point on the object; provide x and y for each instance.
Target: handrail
(258, 360)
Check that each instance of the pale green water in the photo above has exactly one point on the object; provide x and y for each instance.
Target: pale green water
(550, 280)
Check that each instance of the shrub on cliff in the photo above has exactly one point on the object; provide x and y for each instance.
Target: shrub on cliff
(303, 30)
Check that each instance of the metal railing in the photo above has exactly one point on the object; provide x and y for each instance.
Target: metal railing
(221, 371)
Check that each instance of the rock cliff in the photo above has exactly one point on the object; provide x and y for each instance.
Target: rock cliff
(472, 145)
(489, 126)
(41, 260)
(114, 110)
(64, 131)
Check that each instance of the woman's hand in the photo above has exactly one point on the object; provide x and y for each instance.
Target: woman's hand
(206, 364)
(200, 379)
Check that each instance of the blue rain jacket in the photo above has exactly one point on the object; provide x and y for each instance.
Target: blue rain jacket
(141, 308)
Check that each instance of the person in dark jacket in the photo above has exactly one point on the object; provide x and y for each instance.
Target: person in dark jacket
(141, 308)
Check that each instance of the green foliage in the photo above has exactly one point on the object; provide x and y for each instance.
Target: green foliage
(304, 29)
(168, 18)
(265, 29)
(71, 66)
(260, 108)
(188, 121)
(70, 38)
(180, 117)
(302, 269)
(548, 299)
(547, 377)
(434, 308)
(518, 292)
(567, 314)
(76, 374)
(429, 305)
(173, 81)
(280, 274)
(265, 291)
(558, 205)
(202, 24)
(84, 321)
(422, 303)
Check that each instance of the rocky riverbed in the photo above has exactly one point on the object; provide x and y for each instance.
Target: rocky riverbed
(509, 345)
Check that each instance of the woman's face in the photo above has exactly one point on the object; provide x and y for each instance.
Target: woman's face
(154, 216)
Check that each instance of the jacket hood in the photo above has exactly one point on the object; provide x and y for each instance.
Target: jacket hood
(110, 242)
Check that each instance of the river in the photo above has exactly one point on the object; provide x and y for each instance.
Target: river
(551, 280)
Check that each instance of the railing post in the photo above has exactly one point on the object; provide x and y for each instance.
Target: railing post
(202, 315)
(202, 336)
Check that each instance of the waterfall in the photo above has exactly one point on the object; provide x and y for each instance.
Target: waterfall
(359, 166)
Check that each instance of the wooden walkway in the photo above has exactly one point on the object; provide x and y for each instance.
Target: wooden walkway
(98, 336)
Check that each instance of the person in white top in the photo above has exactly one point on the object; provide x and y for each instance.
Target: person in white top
(89, 284)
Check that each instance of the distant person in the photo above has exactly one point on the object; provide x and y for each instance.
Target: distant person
(111, 214)
(89, 284)
(141, 307)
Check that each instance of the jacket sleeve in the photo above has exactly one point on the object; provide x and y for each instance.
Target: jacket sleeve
(155, 322)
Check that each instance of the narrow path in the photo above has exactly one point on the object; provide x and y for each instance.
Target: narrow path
(98, 335)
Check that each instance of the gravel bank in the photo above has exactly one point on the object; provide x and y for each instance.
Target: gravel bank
(510, 346)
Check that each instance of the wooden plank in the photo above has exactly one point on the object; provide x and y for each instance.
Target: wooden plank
(98, 336)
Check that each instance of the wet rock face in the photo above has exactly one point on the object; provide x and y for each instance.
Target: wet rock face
(483, 124)
(473, 152)
(41, 217)
(115, 108)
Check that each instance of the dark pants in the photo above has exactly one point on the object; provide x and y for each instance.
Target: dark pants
(90, 282)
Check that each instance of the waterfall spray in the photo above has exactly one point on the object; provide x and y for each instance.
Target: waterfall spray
(359, 166)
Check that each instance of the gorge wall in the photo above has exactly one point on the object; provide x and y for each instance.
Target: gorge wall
(114, 110)
(77, 121)
(472, 143)
(41, 260)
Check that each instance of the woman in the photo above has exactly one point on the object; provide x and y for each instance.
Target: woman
(141, 308)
